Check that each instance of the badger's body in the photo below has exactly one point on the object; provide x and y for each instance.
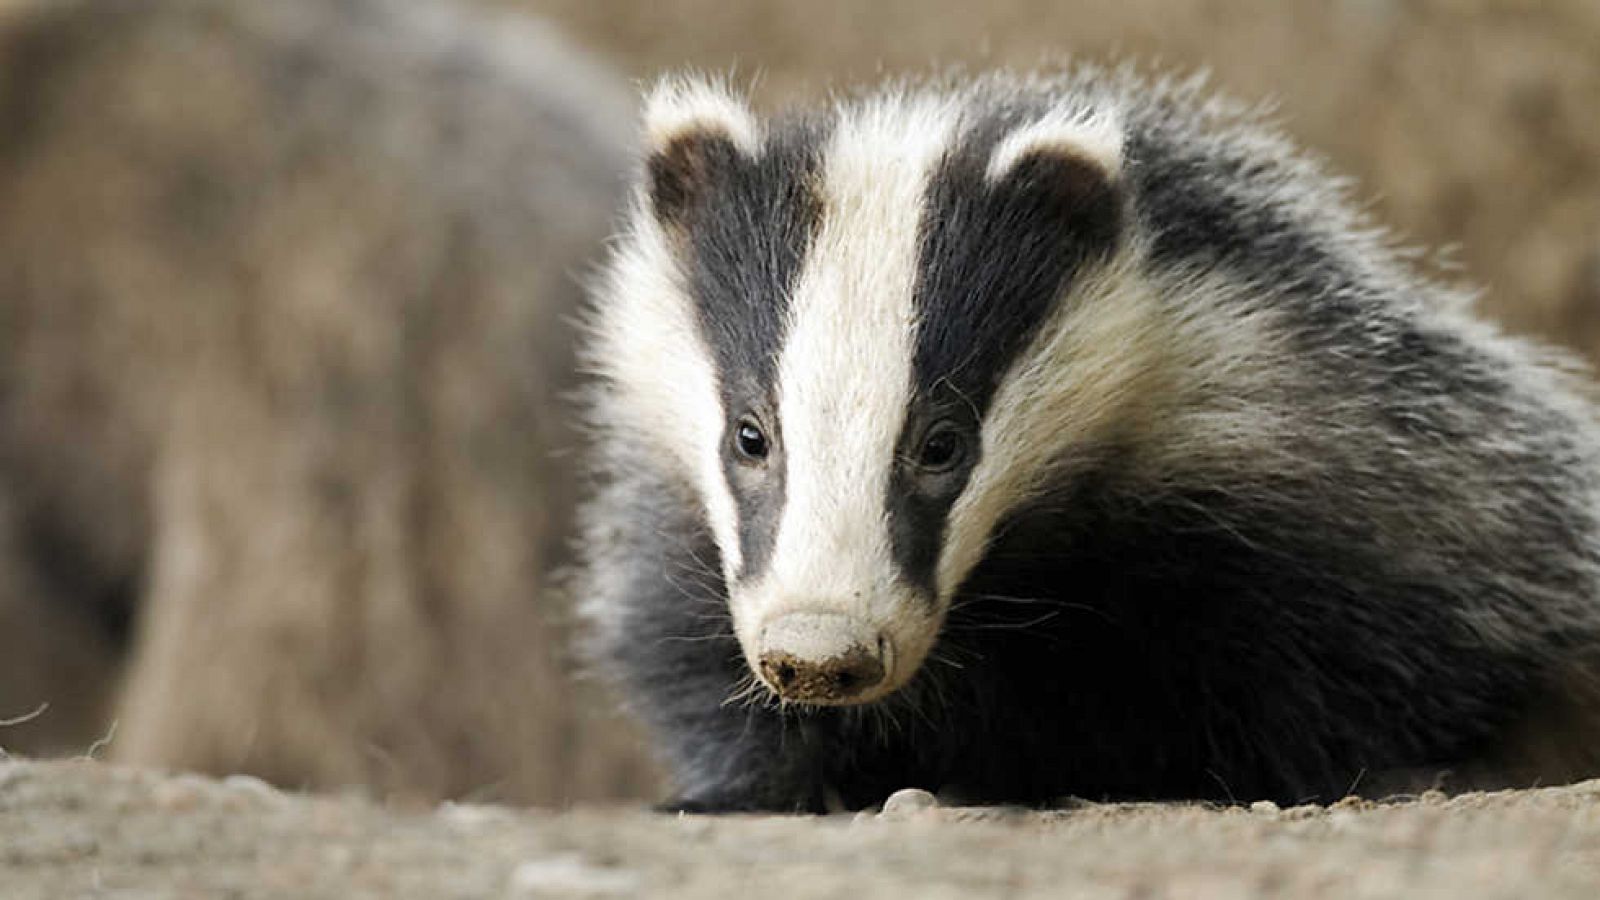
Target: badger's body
(1062, 436)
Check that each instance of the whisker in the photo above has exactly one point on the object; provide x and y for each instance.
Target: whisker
(694, 638)
(746, 692)
(1007, 626)
(966, 602)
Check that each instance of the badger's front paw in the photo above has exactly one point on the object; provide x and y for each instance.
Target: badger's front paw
(731, 804)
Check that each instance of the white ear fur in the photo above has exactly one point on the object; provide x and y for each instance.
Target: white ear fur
(1092, 136)
(682, 105)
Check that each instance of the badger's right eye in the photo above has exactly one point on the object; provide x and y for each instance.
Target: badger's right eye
(749, 441)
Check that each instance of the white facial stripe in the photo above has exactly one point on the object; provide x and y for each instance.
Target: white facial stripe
(1114, 360)
(1094, 135)
(647, 339)
(647, 342)
(1090, 364)
(845, 374)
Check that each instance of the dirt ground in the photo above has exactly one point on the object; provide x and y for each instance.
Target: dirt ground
(71, 829)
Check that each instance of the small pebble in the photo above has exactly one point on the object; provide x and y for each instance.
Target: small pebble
(1343, 819)
(253, 786)
(570, 875)
(909, 801)
(473, 815)
(1263, 806)
(182, 793)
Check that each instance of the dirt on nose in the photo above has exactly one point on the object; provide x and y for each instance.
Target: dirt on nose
(836, 679)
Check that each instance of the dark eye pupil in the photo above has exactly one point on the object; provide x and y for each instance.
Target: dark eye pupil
(940, 449)
(750, 441)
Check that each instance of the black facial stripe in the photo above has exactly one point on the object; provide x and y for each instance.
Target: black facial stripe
(995, 256)
(744, 241)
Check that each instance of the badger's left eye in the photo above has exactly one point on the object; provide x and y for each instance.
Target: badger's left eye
(943, 449)
(750, 441)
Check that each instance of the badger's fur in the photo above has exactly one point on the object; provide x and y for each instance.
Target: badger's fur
(1239, 505)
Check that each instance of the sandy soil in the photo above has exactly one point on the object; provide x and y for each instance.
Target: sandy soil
(85, 829)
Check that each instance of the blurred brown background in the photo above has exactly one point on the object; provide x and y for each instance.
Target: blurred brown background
(284, 300)
(1472, 126)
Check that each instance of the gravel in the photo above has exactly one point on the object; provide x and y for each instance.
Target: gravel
(88, 829)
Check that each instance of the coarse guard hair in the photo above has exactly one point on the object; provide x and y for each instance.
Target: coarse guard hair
(1030, 436)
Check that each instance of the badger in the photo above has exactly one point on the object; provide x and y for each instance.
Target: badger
(1026, 436)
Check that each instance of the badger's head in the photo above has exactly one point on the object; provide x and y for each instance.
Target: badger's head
(838, 331)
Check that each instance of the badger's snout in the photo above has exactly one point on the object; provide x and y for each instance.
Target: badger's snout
(824, 658)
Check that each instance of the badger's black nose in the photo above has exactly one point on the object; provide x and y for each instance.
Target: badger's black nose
(822, 658)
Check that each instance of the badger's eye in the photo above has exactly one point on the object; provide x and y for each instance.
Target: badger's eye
(942, 450)
(749, 441)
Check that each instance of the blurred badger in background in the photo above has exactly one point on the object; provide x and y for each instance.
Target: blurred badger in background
(283, 323)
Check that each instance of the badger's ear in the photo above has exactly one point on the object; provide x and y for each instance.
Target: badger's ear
(696, 133)
(1069, 160)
